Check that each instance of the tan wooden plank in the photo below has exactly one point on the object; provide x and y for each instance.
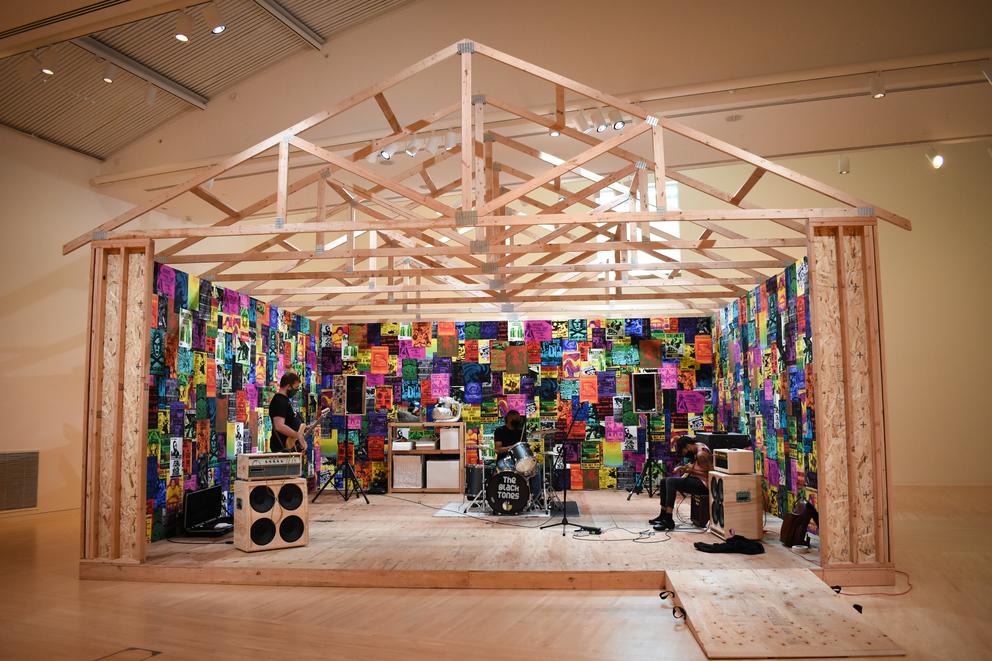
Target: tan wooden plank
(772, 614)
(387, 112)
(466, 126)
(746, 187)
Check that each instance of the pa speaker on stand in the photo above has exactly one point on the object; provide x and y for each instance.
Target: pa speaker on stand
(271, 514)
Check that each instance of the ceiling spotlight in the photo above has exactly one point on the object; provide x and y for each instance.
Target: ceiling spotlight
(599, 121)
(387, 152)
(414, 147)
(211, 16)
(554, 133)
(109, 73)
(843, 165)
(583, 122)
(48, 62)
(877, 88)
(184, 27)
(450, 140)
(433, 144)
(616, 120)
(936, 158)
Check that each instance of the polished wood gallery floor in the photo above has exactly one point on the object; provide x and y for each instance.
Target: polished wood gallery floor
(941, 537)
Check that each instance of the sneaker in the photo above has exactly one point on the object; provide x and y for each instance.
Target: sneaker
(666, 523)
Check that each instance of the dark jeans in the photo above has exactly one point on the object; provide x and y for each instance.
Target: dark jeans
(690, 485)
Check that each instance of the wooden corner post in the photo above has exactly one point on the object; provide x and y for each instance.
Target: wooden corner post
(849, 393)
(115, 428)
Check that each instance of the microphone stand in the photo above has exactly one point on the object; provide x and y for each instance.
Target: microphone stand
(564, 523)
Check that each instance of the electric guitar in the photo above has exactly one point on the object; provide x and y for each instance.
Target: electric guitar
(307, 429)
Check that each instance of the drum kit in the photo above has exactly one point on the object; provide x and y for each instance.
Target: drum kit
(513, 484)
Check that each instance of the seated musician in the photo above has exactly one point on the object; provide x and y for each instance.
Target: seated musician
(511, 433)
(690, 478)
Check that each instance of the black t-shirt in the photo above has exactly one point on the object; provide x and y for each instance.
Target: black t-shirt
(507, 437)
(281, 407)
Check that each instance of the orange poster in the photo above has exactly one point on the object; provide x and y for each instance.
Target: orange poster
(588, 389)
(704, 349)
(380, 360)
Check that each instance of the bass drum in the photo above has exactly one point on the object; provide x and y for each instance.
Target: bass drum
(508, 493)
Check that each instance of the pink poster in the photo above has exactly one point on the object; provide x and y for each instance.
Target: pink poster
(440, 385)
(517, 403)
(669, 376)
(690, 401)
(614, 430)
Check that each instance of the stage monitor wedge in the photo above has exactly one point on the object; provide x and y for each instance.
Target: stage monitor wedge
(355, 394)
(644, 386)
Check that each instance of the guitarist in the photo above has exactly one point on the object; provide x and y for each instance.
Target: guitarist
(287, 436)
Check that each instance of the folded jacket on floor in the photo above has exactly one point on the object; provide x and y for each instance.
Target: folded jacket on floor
(735, 544)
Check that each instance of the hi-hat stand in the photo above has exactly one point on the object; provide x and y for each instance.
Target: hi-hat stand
(349, 481)
(565, 523)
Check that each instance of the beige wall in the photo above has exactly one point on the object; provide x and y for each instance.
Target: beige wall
(933, 280)
(45, 200)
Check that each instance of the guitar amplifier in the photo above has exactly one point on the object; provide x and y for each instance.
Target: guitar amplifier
(269, 465)
(736, 462)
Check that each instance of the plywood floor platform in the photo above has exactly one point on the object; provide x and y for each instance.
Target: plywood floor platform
(399, 543)
(772, 614)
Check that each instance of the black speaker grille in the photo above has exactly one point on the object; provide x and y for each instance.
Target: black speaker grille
(263, 531)
(291, 528)
(261, 499)
(290, 496)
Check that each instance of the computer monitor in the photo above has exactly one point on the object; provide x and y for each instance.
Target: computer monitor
(201, 507)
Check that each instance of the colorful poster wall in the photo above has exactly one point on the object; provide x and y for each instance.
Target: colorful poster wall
(764, 381)
(216, 359)
(570, 378)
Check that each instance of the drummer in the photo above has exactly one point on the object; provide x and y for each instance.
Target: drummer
(511, 433)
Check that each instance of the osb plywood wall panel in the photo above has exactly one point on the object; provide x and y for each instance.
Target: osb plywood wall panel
(831, 431)
(132, 434)
(108, 402)
(861, 472)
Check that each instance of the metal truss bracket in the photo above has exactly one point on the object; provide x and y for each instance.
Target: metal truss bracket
(497, 167)
(99, 235)
(490, 268)
(390, 298)
(640, 165)
(466, 218)
(489, 136)
(507, 307)
(318, 250)
(479, 247)
(866, 211)
(478, 99)
(349, 268)
(280, 222)
(651, 120)
(497, 284)
(466, 46)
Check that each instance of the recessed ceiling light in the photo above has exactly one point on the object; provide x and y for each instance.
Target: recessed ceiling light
(843, 165)
(734, 117)
(109, 73)
(935, 158)
(554, 133)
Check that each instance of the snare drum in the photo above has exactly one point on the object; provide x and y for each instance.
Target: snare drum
(524, 461)
(508, 493)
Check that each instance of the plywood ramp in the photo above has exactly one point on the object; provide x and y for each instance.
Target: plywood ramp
(772, 613)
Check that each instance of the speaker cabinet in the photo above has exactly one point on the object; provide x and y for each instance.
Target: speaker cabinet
(271, 514)
(736, 505)
(739, 462)
(643, 385)
(355, 394)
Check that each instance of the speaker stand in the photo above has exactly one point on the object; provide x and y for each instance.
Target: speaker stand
(352, 485)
